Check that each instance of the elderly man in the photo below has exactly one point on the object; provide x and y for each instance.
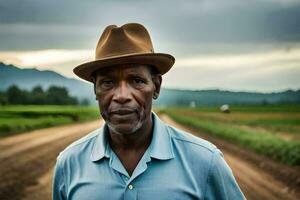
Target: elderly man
(135, 155)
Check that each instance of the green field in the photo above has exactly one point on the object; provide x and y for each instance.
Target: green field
(16, 119)
(273, 131)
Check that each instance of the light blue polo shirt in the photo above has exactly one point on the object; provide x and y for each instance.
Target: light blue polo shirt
(176, 165)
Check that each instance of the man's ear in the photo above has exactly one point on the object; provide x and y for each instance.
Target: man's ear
(157, 80)
(94, 81)
(95, 91)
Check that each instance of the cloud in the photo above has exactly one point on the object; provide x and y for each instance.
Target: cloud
(260, 59)
(275, 70)
(230, 44)
(76, 24)
(60, 60)
(262, 71)
(45, 57)
(268, 80)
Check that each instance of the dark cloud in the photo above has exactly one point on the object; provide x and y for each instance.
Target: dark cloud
(35, 24)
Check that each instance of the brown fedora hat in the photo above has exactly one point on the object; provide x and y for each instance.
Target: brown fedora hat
(128, 44)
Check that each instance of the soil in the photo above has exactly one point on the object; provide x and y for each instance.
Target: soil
(27, 162)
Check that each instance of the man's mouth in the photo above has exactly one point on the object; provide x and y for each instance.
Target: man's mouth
(122, 111)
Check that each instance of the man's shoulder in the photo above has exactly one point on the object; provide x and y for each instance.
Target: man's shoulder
(80, 146)
(187, 140)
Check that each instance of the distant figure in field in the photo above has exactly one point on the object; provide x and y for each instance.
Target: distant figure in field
(225, 108)
(135, 155)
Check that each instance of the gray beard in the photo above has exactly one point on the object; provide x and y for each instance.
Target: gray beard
(114, 129)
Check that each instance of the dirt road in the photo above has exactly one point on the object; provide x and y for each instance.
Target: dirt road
(27, 162)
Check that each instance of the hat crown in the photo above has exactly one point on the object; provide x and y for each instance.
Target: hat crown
(128, 44)
(128, 39)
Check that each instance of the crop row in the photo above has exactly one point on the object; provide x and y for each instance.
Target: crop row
(270, 145)
(16, 119)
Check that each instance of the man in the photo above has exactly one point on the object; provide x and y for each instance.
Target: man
(135, 155)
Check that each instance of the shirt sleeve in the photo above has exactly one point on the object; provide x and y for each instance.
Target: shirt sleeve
(58, 185)
(221, 184)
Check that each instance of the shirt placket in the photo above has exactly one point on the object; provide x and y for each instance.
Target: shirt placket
(131, 190)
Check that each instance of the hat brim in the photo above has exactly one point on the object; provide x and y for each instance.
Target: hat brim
(161, 61)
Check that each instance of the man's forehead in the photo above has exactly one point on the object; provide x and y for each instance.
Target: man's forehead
(128, 68)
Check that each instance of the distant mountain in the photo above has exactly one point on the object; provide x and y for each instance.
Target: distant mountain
(172, 97)
(29, 78)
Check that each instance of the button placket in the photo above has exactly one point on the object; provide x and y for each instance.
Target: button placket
(130, 192)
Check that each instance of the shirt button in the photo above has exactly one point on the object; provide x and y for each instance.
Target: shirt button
(130, 187)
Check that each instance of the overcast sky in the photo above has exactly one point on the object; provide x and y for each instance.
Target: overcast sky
(253, 46)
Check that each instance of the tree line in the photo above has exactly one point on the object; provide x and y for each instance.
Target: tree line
(54, 95)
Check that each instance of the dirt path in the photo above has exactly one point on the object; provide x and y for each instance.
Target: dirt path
(255, 181)
(27, 160)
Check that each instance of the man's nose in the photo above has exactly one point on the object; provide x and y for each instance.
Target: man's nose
(122, 93)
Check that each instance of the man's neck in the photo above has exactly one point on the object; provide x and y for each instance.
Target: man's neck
(130, 148)
(136, 141)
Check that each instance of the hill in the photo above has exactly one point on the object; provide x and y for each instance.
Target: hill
(29, 78)
(173, 97)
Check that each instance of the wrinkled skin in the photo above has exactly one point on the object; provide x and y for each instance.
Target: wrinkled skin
(125, 96)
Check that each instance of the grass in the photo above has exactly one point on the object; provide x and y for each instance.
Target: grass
(231, 127)
(279, 121)
(16, 119)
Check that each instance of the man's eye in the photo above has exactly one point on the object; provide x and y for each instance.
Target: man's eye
(138, 81)
(107, 83)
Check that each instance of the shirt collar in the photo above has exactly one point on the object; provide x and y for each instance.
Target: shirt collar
(160, 147)
(101, 147)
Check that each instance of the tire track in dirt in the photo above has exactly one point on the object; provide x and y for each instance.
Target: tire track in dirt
(27, 160)
(255, 182)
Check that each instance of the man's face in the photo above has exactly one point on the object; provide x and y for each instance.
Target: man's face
(125, 95)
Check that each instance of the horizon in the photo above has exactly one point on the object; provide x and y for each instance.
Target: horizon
(256, 47)
(166, 87)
